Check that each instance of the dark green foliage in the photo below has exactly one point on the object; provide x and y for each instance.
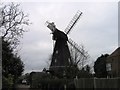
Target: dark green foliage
(7, 82)
(74, 71)
(11, 63)
(27, 78)
(46, 82)
(100, 66)
(57, 84)
(88, 68)
(24, 77)
(12, 66)
(84, 74)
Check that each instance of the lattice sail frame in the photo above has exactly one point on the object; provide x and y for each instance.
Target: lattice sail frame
(73, 22)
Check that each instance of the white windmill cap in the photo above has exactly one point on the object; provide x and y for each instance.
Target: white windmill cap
(53, 24)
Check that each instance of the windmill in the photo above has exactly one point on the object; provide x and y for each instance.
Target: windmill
(61, 58)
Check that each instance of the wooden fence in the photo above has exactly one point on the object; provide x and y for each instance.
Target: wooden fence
(97, 83)
(38, 81)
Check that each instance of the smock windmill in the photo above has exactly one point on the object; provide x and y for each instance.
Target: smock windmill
(61, 58)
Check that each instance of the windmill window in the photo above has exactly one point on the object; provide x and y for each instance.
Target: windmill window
(56, 51)
(55, 60)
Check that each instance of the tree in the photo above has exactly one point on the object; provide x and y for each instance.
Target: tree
(11, 63)
(100, 66)
(12, 66)
(78, 59)
(12, 27)
(12, 23)
(88, 68)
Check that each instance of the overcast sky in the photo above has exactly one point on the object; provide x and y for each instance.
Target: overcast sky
(97, 29)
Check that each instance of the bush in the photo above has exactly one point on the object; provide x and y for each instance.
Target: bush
(7, 83)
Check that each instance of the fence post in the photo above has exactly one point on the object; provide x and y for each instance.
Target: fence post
(0, 63)
(76, 82)
(64, 86)
(94, 82)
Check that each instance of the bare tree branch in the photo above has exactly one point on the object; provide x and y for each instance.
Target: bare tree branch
(78, 59)
(12, 23)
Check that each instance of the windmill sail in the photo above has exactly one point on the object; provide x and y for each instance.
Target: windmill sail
(73, 22)
(77, 47)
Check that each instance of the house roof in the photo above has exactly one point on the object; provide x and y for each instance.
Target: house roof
(115, 53)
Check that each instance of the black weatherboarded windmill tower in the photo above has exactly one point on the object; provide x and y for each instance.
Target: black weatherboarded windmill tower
(61, 63)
